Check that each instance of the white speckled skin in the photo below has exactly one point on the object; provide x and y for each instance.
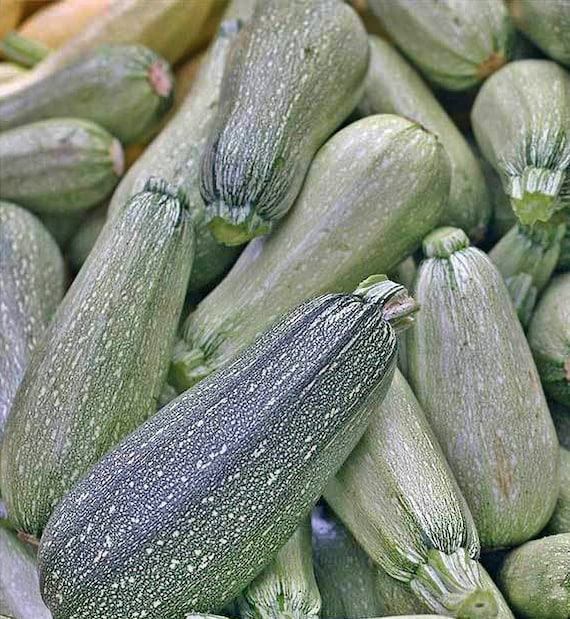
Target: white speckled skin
(31, 286)
(189, 508)
(295, 73)
(98, 371)
(473, 373)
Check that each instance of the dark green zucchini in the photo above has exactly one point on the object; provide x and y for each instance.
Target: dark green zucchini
(564, 259)
(472, 370)
(295, 73)
(99, 369)
(455, 43)
(392, 86)
(521, 119)
(31, 286)
(191, 506)
(372, 190)
(549, 338)
(560, 521)
(126, 89)
(561, 418)
(60, 165)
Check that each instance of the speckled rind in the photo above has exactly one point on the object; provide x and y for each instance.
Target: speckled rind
(455, 43)
(31, 286)
(98, 371)
(295, 73)
(218, 480)
(560, 521)
(473, 373)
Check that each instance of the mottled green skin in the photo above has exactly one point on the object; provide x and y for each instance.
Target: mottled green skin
(31, 286)
(112, 86)
(455, 43)
(521, 120)
(560, 521)
(59, 165)
(392, 86)
(295, 73)
(473, 373)
(371, 193)
(98, 371)
(190, 507)
(549, 338)
(397, 596)
(536, 578)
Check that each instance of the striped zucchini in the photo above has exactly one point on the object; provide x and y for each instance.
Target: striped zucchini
(190, 507)
(373, 189)
(126, 89)
(392, 86)
(560, 521)
(59, 165)
(295, 73)
(344, 573)
(286, 589)
(98, 372)
(521, 119)
(19, 584)
(31, 286)
(546, 24)
(175, 155)
(473, 373)
(549, 339)
(455, 43)
(535, 578)
(398, 497)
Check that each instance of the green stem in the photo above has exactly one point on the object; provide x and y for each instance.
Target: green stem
(22, 50)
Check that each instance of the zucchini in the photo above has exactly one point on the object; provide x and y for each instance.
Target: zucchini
(392, 86)
(373, 189)
(98, 371)
(564, 259)
(22, 50)
(218, 480)
(344, 573)
(560, 521)
(398, 497)
(521, 120)
(295, 73)
(561, 418)
(59, 165)
(535, 578)
(523, 295)
(84, 239)
(397, 597)
(19, 584)
(31, 286)
(126, 89)
(546, 24)
(175, 155)
(455, 43)
(549, 339)
(10, 71)
(286, 588)
(472, 370)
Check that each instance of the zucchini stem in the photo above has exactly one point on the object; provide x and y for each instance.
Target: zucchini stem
(23, 51)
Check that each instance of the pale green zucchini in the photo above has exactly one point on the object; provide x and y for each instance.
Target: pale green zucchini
(549, 338)
(455, 43)
(219, 479)
(535, 578)
(82, 242)
(523, 294)
(344, 573)
(295, 73)
(175, 155)
(31, 286)
(396, 596)
(98, 371)
(472, 370)
(546, 24)
(372, 190)
(19, 584)
(398, 497)
(503, 218)
(392, 86)
(126, 89)
(560, 521)
(521, 119)
(286, 589)
(59, 165)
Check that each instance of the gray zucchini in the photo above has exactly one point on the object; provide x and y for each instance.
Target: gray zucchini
(473, 372)
(560, 521)
(59, 166)
(392, 86)
(99, 369)
(372, 190)
(295, 73)
(521, 120)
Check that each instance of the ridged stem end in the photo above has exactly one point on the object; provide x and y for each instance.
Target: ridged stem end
(187, 367)
(444, 242)
(534, 194)
(235, 225)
